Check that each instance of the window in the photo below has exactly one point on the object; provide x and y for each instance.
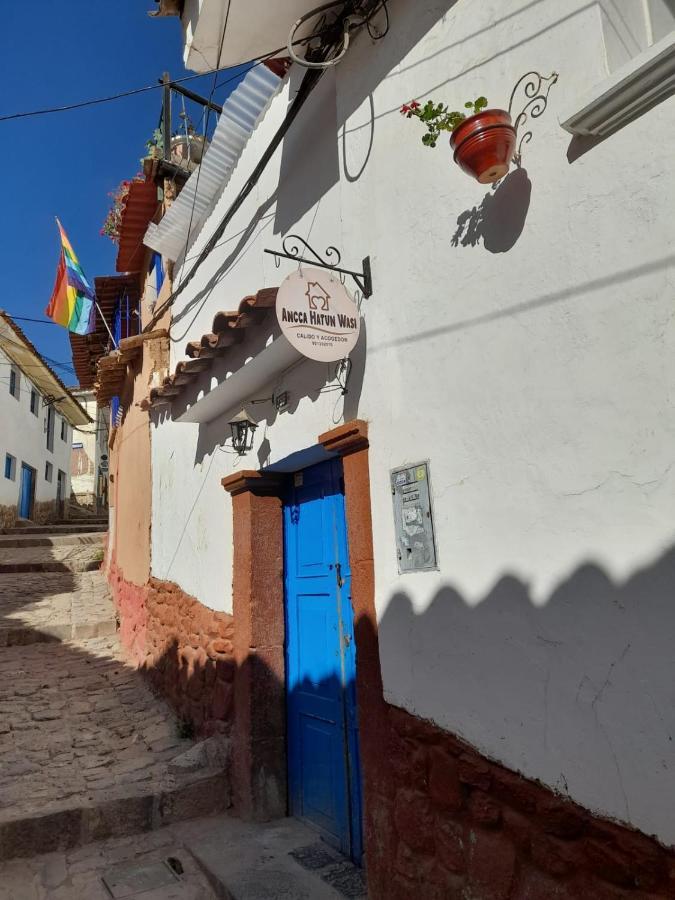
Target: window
(14, 382)
(10, 466)
(49, 471)
(49, 428)
(34, 402)
(630, 28)
(640, 53)
(64, 430)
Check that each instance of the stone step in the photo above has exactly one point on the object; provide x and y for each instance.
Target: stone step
(143, 867)
(87, 752)
(38, 608)
(76, 521)
(251, 861)
(58, 529)
(62, 558)
(94, 539)
(135, 809)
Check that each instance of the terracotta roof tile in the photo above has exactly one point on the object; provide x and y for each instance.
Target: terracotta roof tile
(87, 349)
(228, 328)
(139, 210)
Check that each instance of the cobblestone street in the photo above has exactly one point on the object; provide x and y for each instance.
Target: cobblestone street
(87, 752)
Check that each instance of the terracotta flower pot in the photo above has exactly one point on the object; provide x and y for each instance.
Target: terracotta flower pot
(484, 145)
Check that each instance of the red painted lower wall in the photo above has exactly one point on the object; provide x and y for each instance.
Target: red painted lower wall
(131, 602)
(184, 648)
(444, 822)
(441, 821)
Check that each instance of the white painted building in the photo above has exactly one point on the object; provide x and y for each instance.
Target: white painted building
(38, 415)
(89, 457)
(519, 339)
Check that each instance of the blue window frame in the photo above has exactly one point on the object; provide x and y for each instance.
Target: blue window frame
(126, 323)
(156, 265)
(10, 466)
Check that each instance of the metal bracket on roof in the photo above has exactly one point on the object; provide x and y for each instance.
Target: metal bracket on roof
(292, 246)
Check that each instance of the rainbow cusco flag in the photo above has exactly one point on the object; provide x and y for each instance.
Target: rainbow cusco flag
(73, 300)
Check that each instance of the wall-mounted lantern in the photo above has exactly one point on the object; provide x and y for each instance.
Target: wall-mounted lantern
(243, 429)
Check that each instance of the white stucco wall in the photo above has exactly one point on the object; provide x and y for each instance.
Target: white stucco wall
(22, 435)
(89, 436)
(532, 366)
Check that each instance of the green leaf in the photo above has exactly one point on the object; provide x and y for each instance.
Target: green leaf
(481, 103)
(468, 105)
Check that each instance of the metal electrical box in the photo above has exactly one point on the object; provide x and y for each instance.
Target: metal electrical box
(413, 520)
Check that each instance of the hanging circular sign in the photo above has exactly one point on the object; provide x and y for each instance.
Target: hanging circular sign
(317, 315)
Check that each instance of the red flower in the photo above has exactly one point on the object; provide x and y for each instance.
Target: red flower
(414, 104)
(404, 109)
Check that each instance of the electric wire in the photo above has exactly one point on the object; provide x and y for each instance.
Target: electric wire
(347, 23)
(305, 89)
(121, 95)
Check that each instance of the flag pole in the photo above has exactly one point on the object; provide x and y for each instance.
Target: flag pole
(100, 312)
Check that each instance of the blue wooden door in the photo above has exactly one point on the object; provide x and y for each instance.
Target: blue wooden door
(323, 762)
(26, 496)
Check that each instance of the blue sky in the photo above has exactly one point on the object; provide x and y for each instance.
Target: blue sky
(64, 164)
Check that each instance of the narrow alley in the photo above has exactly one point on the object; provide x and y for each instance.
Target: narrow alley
(86, 750)
(100, 796)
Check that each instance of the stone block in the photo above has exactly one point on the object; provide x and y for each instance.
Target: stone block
(201, 797)
(118, 817)
(58, 830)
(561, 818)
(221, 700)
(414, 820)
(474, 771)
(491, 864)
(451, 845)
(444, 785)
(556, 857)
(483, 810)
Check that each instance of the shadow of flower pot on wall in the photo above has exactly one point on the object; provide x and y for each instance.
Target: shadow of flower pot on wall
(500, 218)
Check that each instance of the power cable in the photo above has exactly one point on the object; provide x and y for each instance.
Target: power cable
(305, 89)
(130, 93)
(255, 60)
(309, 82)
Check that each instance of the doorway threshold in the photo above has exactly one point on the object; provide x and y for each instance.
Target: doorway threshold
(280, 860)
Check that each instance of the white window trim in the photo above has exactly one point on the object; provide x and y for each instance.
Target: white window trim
(643, 82)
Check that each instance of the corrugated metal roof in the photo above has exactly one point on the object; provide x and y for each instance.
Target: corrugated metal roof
(242, 111)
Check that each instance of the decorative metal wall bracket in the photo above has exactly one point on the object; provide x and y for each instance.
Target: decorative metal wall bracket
(293, 244)
(536, 88)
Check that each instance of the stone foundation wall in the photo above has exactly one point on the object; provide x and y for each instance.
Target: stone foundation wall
(184, 648)
(445, 822)
(44, 512)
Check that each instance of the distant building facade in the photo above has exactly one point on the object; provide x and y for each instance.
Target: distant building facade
(89, 456)
(38, 415)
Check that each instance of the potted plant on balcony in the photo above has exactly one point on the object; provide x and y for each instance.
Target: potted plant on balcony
(483, 140)
(113, 221)
(187, 148)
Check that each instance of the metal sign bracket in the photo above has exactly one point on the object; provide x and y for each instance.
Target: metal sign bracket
(292, 246)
